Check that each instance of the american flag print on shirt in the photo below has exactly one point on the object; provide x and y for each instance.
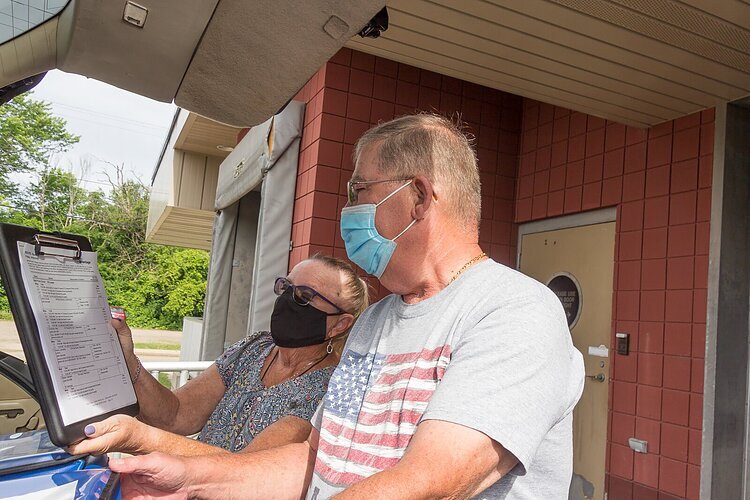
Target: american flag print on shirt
(373, 405)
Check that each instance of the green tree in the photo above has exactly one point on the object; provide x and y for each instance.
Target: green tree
(126, 212)
(52, 202)
(29, 136)
(157, 285)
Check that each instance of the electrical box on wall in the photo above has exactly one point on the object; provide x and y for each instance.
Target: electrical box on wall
(623, 343)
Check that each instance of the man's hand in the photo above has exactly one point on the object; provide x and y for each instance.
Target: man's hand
(282, 473)
(117, 433)
(155, 475)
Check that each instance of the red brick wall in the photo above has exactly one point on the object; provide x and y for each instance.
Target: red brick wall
(660, 181)
(355, 91)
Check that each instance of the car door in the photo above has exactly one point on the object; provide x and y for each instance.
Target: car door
(19, 409)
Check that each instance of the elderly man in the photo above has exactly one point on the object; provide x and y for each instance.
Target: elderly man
(461, 383)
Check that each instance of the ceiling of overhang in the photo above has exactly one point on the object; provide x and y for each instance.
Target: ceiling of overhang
(638, 62)
(202, 135)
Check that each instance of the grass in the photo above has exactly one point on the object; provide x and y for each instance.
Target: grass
(157, 345)
(164, 380)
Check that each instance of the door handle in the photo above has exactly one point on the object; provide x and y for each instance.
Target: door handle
(599, 377)
(12, 413)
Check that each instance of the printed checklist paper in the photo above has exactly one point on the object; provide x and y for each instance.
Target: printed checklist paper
(84, 359)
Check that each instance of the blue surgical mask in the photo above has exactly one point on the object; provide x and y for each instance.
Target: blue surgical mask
(364, 244)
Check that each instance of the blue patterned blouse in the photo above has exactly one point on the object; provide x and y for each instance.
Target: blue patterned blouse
(248, 406)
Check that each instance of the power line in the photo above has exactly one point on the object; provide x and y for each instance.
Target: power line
(71, 114)
(107, 115)
(142, 132)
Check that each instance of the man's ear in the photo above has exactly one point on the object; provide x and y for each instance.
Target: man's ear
(425, 197)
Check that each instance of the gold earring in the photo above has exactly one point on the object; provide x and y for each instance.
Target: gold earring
(329, 347)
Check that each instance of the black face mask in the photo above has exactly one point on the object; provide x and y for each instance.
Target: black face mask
(293, 325)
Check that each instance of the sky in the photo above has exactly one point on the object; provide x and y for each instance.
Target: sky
(116, 127)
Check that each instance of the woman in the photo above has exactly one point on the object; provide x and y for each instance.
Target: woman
(278, 376)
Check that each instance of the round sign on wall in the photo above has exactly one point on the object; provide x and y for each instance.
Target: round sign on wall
(568, 290)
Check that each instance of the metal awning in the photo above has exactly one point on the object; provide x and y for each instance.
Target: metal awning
(183, 186)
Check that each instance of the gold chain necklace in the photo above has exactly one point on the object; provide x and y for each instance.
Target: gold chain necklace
(466, 266)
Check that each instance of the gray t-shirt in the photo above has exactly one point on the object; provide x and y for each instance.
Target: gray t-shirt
(491, 352)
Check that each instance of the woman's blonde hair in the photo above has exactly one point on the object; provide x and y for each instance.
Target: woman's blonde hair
(355, 292)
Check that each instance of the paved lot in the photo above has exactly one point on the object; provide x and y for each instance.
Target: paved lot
(9, 342)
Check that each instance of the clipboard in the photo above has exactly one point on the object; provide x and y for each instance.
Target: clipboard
(62, 246)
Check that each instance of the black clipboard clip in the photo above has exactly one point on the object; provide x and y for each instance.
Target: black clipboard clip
(45, 244)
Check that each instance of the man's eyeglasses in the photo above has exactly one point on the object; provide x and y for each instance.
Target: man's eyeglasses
(302, 294)
(353, 187)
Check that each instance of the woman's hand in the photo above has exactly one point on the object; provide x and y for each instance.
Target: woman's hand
(117, 433)
(125, 336)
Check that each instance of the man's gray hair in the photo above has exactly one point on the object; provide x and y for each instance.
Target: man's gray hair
(432, 146)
